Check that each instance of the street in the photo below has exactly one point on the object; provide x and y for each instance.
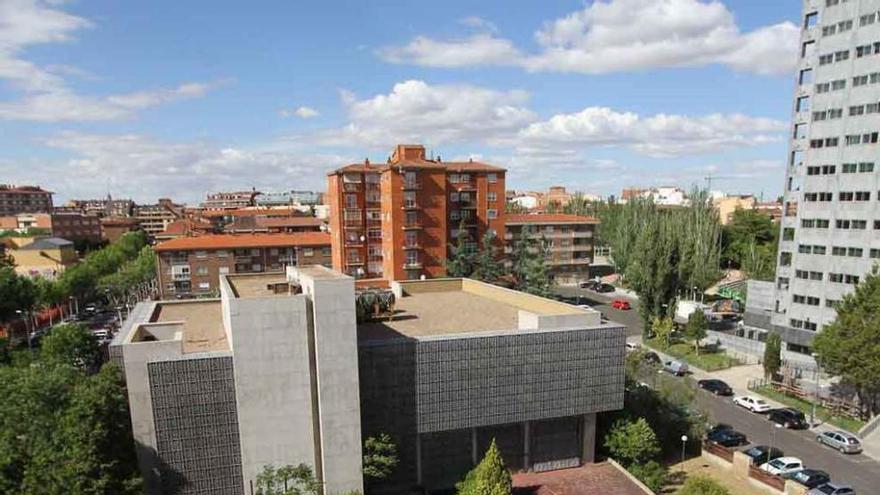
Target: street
(860, 471)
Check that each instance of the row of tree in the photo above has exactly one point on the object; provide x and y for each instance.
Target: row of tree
(525, 269)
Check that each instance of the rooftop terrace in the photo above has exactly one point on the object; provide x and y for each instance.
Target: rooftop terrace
(441, 307)
(201, 325)
(271, 284)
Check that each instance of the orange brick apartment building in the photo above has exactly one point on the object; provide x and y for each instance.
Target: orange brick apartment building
(397, 220)
(189, 266)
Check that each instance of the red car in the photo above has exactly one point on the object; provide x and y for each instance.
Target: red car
(620, 304)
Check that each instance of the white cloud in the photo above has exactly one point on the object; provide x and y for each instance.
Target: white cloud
(46, 96)
(415, 111)
(184, 171)
(301, 112)
(657, 135)
(622, 35)
(479, 24)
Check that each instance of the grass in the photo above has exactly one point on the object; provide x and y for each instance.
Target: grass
(707, 360)
(846, 423)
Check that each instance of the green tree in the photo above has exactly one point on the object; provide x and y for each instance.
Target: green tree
(72, 344)
(695, 330)
(487, 266)
(632, 442)
(744, 234)
(652, 474)
(663, 329)
(17, 293)
(772, 354)
(529, 265)
(849, 347)
(461, 264)
(489, 477)
(380, 457)
(287, 480)
(702, 485)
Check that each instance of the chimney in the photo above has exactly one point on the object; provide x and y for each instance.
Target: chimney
(367, 162)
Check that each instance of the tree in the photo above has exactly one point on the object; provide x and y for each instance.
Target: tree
(380, 457)
(16, 293)
(702, 485)
(747, 231)
(490, 477)
(461, 264)
(287, 480)
(632, 442)
(487, 266)
(772, 355)
(652, 474)
(848, 347)
(73, 345)
(529, 265)
(663, 329)
(695, 330)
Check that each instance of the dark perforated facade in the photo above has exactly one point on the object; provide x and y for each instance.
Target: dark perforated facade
(196, 425)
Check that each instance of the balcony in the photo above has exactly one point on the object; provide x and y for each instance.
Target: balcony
(466, 186)
(412, 265)
(412, 225)
(410, 185)
(412, 245)
(180, 277)
(410, 205)
(352, 187)
(354, 243)
(354, 262)
(573, 261)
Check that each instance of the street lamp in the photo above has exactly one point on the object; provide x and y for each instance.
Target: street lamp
(27, 325)
(776, 426)
(684, 439)
(816, 376)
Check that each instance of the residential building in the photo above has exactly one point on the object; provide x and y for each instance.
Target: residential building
(230, 200)
(772, 209)
(45, 257)
(556, 197)
(155, 218)
(570, 242)
(831, 214)
(107, 207)
(192, 266)
(662, 196)
(24, 199)
(280, 371)
(112, 228)
(275, 224)
(186, 227)
(726, 205)
(77, 227)
(300, 198)
(266, 374)
(528, 200)
(398, 220)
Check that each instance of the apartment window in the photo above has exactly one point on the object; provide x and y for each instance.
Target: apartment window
(800, 131)
(855, 111)
(841, 224)
(454, 214)
(818, 249)
(491, 197)
(409, 199)
(838, 251)
(835, 113)
(845, 196)
(465, 178)
(491, 214)
(412, 238)
(201, 254)
(836, 278)
(255, 252)
(849, 168)
(788, 234)
(374, 234)
(202, 270)
(204, 286)
(811, 19)
(412, 257)
(797, 158)
(859, 224)
(351, 201)
(453, 197)
(257, 267)
(807, 223)
(464, 197)
(841, 55)
(785, 258)
(831, 303)
(412, 218)
(855, 252)
(492, 178)
(874, 253)
(860, 80)
(805, 77)
(863, 196)
(808, 48)
(868, 19)
(454, 178)
(876, 224)
(872, 108)
(805, 248)
(851, 279)
(819, 115)
(273, 252)
(222, 253)
(308, 252)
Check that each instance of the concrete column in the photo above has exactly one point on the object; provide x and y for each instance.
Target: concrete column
(474, 453)
(527, 444)
(588, 437)
(418, 458)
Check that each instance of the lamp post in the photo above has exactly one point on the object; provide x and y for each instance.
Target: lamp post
(816, 375)
(776, 426)
(27, 324)
(684, 439)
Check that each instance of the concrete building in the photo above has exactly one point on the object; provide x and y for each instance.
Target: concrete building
(45, 257)
(107, 207)
(192, 266)
(570, 240)
(662, 196)
(230, 200)
(266, 374)
(155, 218)
(398, 220)
(726, 205)
(271, 374)
(24, 199)
(299, 198)
(831, 211)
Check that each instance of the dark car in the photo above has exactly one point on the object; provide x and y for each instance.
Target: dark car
(727, 438)
(810, 478)
(715, 386)
(789, 418)
(603, 288)
(762, 453)
(718, 427)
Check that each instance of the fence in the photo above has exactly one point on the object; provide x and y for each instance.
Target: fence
(835, 406)
(768, 479)
(718, 450)
(751, 351)
(741, 466)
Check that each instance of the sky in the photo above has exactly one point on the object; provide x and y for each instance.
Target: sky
(177, 99)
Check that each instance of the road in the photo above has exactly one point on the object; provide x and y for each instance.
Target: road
(860, 471)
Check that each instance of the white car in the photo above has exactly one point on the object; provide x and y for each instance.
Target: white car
(753, 404)
(783, 465)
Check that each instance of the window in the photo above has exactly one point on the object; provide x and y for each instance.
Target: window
(492, 178)
(797, 158)
(491, 197)
(835, 113)
(204, 286)
(453, 197)
(409, 199)
(838, 251)
(819, 115)
(800, 131)
(845, 196)
(222, 253)
(849, 168)
(830, 303)
(808, 48)
(201, 254)
(805, 77)
(202, 270)
(855, 252)
(308, 252)
(788, 234)
(785, 258)
(859, 224)
(863, 195)
(491, 214)
(874, 253)
(860, 80)
(818, 249)
(465, 178)
(454, 215)
(454, 178)
(868, 19)
(807, 223)
(811, 19)
(855, 111)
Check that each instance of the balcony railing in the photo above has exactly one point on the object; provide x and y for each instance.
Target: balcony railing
(412, 245)
(354, 261)
(178, 277)
(410, 205)
(352, 186)
(412, 225)
(412, 265)
(411, 185)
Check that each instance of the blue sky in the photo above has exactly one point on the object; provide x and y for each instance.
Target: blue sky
(176, 99)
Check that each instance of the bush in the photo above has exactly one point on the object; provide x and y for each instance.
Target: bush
(632, 442)
(652, 474)
(702, 485)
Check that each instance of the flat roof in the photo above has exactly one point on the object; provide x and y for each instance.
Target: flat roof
(455, 306)
(257, 284)
(232, 241)
(202, 324)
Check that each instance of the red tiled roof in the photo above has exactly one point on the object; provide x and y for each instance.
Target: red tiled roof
(448, 166)
(548, 218)
(252, 212)
(233, 241)
(602, 477)
(183, 227)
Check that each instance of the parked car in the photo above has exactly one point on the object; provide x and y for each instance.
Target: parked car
(652, 358)
(845, 442)
(782, 465)
(676, 368)
(718, 427)
(762, 454)
(632, 346)
(789, 418)
(604, 288)
(717, 387)
(589, 284)
(621, 304)
(832, 489)
(727, 437)
(753, 404)
(810, 478)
